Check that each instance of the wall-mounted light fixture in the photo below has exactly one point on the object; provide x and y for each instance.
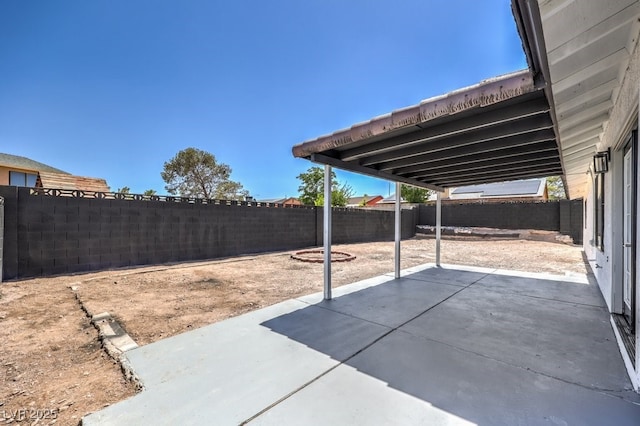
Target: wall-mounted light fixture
(601, 161)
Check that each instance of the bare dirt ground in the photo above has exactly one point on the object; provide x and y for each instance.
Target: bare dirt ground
(53, 367)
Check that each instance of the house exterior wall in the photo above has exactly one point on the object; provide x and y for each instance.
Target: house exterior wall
(607, 264)
(4, 173)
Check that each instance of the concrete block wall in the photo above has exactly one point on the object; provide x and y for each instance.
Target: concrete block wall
(572, 219)
(1, 233)
(46, 235)
(363, 225)
(563, 216)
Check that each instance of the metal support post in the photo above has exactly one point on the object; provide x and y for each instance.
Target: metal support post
(326, 232)
(438, 226)
(398, 233)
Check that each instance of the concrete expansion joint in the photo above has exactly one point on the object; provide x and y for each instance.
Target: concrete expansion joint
(114, 340)
(347, 359)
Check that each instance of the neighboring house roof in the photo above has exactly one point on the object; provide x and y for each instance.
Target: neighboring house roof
(368, 200)
(67, 181)
(390, 199)
(288, 200)
(513, 189)
(24, 163)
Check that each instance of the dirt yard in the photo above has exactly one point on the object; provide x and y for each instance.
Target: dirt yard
(53, 367)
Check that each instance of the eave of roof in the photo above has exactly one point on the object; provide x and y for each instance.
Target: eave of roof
(497, 130)
(588, 46)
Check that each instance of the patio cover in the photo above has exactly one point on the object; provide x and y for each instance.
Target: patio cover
(500, 129)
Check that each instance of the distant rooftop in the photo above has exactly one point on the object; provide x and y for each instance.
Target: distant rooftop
(67, 181)
(24, 163)
(516, 188)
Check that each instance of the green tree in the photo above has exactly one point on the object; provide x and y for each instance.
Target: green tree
(312, 185)
(339, 196)
(196, 173)
(413, 194)
(555, 188)
(124, 190)
(149, 192)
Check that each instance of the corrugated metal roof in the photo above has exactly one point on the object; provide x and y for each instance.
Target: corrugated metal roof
(529, 187)
(500, 129)
(24, 163)
(67, 181)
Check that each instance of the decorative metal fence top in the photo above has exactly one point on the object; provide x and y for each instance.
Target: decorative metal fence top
(76, 193)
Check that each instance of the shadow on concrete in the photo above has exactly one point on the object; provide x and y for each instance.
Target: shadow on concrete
(479, 346)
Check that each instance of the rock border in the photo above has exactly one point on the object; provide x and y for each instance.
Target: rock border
(299, 256)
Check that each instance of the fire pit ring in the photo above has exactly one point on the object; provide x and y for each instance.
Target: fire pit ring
(317, 256)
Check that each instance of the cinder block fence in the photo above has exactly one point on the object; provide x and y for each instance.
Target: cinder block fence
(564, 216)
(46, 232)
(53, 232)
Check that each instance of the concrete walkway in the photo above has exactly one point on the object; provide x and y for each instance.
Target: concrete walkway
(451, 345)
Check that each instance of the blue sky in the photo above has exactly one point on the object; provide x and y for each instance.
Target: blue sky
(113, 89)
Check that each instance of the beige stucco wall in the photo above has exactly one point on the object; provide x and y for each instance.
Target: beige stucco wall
(608, 272)
(4, 173)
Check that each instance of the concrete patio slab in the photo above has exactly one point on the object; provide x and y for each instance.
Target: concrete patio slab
(566, 289)
(233, 369)
(346, 396)
(568, 341)
(475, 352)
(446, 274)
(485, 391)
(393, 304)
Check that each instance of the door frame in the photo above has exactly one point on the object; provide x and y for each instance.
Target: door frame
(631, 145)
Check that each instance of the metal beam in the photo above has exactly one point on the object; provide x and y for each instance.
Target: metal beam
(501, 177)
(502, 171)
(521, 127)
(326, 232)
(502, 164)
(470, 147)
(398, 233)
(323, 159)
(536, 148)
(518, 108)
(490, 167)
